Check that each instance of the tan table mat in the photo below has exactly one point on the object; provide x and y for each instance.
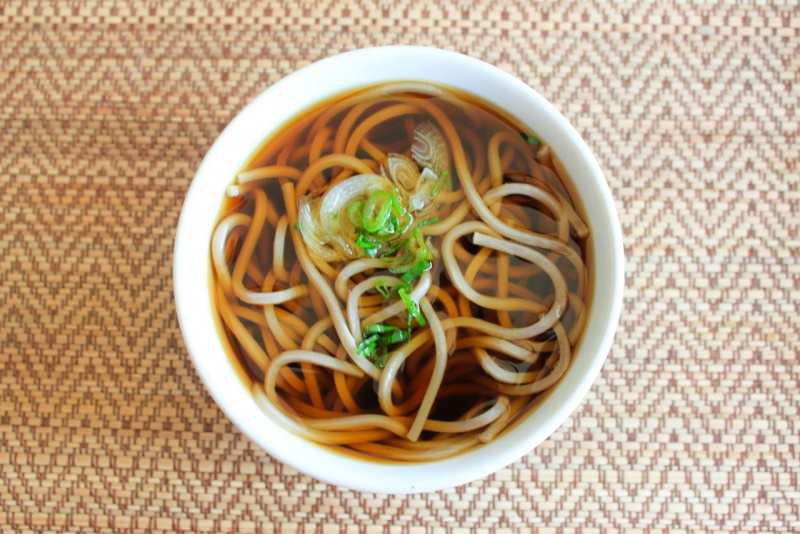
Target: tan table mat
(107, 110)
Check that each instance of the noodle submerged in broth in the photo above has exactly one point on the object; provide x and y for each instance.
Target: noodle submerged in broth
(401, 272)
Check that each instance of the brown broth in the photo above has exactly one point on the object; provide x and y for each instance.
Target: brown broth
(476, 122)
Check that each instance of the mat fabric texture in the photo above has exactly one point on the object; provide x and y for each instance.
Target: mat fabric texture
(107, 110)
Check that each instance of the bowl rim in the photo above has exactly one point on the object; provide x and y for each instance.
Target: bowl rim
(236, 144)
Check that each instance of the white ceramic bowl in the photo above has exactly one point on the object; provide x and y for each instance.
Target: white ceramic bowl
(281, 103)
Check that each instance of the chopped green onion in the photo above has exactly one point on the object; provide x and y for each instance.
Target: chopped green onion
(367, 244)
(380, 328)
(367, 347)
(427, 222)
(416, 270)
(382, 224)
(418, 257)
(414, 314)
(391, 248)
(385, 291)
(398, 336)
(446, 181)
(400, 217)
(378, 338)
(532, 139)
(379, 220)
(376, 211)
(354, 210)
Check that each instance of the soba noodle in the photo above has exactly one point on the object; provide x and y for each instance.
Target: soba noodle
(401, 272)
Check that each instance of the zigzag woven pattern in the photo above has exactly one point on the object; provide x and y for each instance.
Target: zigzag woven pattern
(692, 109)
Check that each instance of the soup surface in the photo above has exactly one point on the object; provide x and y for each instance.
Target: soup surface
(401, 272)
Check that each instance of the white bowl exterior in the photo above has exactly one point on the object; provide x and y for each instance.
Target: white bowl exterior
(285, 100)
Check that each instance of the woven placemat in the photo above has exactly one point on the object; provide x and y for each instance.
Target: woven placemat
(107, 110)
